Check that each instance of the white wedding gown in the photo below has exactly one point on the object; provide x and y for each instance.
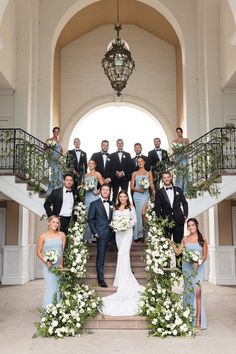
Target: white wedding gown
(126, 300)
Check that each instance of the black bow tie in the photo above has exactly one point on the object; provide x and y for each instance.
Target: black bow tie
(120, 151)
(105, 201)
(104, 153)
(169, 188)
(77, 150)
(158, 149)
(68, 191)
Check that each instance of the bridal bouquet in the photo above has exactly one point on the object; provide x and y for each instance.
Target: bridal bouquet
(120, 223)
(144, 183)
(52, 143)
(51, 256)
(89, 185)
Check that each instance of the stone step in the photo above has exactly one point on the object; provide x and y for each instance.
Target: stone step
(105, 291)
(117, 322)
(113, 258)
(110, 267)
(91, 278)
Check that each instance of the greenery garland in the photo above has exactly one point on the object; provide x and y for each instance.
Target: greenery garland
(78, 301)
(162, 300)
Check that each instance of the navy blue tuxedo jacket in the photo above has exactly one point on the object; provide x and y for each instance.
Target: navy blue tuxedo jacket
(98, 221)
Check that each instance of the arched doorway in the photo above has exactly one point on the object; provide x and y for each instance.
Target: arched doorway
(113, 121)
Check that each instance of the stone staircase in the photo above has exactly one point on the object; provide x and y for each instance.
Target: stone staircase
(138, 267)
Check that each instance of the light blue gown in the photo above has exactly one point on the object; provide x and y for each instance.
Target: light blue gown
(181, 179)
(139, 200)
(50, 279)
(56, 173)
(89, 198)
(191, 281)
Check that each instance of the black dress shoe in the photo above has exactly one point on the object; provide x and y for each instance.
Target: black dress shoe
(103, 285)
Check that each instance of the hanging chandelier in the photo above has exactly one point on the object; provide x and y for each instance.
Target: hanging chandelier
(117, 63)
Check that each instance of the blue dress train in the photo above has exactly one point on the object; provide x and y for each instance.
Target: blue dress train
(50, 279)
(194, 282)
(139, 200)
(56, 173)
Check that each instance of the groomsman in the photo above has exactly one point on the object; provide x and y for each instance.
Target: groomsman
(157, 154)
(61, 202)
(103, 162)
(121, 164)
(138, 153)
(155, 157)
(77, 162)
(170, 202)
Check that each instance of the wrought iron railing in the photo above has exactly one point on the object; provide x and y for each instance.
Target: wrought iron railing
(25, 156)
(202, 161)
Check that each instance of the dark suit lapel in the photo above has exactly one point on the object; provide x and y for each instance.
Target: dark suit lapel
(165, 195)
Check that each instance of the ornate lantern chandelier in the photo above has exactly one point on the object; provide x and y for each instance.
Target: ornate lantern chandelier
(117, 63)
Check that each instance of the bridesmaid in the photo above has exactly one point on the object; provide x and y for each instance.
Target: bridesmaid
(181, 158)
(56, 174)
(140, 196)
(194, 279)
(91, 195)
(54, 240)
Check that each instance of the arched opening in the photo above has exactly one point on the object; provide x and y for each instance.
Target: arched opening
(156, 21)
(112, 122)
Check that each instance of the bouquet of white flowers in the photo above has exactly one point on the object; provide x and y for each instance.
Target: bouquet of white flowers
(120, 223)
(51, 256)
(192, 256)
(89, 185)
(144, 183)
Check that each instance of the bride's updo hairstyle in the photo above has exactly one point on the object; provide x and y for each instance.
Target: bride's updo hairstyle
(128, 204)
(200, 237)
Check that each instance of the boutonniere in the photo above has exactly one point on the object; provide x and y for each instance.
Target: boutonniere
(82, 154)
(177, 193)
(124, 157)
(111, 207)
(108, 159)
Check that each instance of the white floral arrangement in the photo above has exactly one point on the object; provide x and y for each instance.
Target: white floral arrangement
(120, 223)
(162, 300)
(192, 256)
(144, 183)
(68, 317)
(51, 143)
(89, 185)
(78, 301)
(51, 256)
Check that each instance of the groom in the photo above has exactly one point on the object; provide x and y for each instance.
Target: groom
(99, 219)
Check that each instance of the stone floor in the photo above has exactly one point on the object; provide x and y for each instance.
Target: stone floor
(18, 312)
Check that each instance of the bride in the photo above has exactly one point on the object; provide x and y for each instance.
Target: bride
(126, 300)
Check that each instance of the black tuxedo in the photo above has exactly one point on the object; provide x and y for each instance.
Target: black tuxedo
(154, 160)
(120, 165)
(99, 225)
(153, 157)
(53, 205)
(134, 166)
(77, 169)
(163, 208)
(107, 170)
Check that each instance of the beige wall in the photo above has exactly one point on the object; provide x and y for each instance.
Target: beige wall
(228, 51)
(12, 223)
(83, 79)
(8, 52)
(225, 223)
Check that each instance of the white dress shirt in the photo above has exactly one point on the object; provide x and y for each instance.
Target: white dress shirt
(170, 195)
(120, 153)
(106, 206)
(104, 156)
(159, 154)
(78, 154)
(67, 204)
